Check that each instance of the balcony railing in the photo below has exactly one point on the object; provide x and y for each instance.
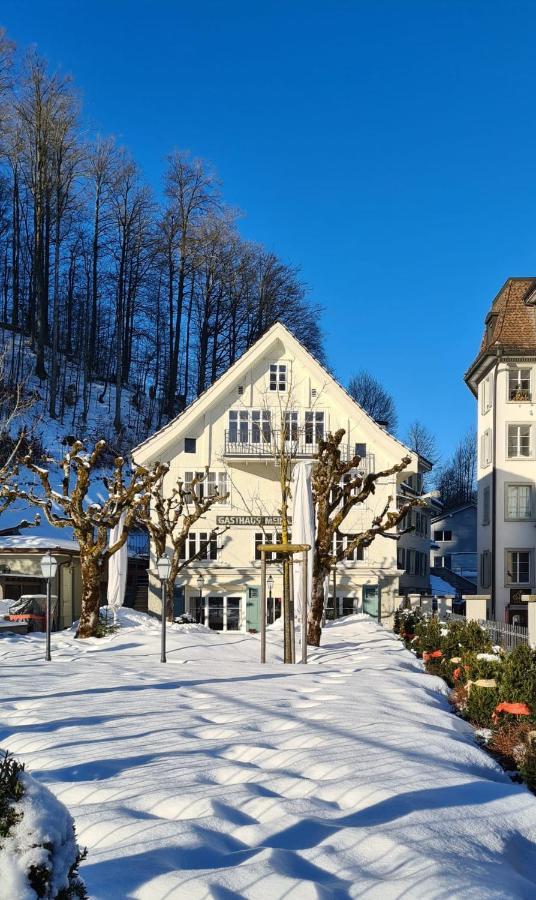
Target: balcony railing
(266, 443)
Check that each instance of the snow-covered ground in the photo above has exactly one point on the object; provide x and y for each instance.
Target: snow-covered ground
(212, 776)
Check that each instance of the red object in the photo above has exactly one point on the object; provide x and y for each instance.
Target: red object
(515, 709)
(456, 674)
(38, 622)
(433, 654)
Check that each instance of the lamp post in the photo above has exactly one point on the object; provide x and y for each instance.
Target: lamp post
(200, 583)
(49, 567)
(163, 566)
(270, 583)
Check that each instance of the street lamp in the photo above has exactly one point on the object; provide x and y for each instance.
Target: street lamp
(163, 565)
(200, 583)
(270, 583)
(49, 567)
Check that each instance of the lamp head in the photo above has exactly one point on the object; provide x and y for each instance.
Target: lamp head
(163, 565)
(49, 565)
(200, 581)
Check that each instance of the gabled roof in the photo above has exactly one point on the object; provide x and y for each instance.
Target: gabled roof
(510, 325)
(154, 447)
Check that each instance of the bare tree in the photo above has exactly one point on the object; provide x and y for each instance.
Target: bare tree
(338, 487)
(374, 399)
(71, 507)
(420, 439)
(456, 480)
(169, 518)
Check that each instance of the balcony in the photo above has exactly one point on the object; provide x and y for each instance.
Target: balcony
(265, 443)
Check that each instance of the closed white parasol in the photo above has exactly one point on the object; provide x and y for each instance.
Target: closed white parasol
(303, 526)
(117, 569)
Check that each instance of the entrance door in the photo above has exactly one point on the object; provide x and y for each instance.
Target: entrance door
(347, 606)
(371, 600)
(233, 613)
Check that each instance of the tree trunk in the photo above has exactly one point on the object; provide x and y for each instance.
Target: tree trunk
(89, 614)
(316, 612)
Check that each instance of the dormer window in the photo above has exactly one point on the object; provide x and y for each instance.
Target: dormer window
(278, 377)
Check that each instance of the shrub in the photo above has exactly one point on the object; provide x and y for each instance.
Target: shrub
(481, 703)
(39, 855)
(429, 634)
(517, 682)
(527, 769)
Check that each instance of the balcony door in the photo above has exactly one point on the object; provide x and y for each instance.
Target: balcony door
(314, 427)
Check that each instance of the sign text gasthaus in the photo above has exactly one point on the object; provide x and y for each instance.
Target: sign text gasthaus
(248, 520)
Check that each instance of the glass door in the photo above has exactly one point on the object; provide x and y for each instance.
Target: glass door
(371, 600)
(215, 613)
(233, 613)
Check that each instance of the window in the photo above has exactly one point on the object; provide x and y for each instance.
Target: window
(485, 448)
(341, 541)
(361, 450)
(201, 545)
(410, 562)
(400, 558)
(486, 395)
(217, 483)
(518, 566)
(261, 426)
(519, 441)
(518, 501)
(268, 538)
(278, 377)
(189, 445)
(314, 426)
(238, 426)
(519, 385)
(291, 426)
(485, 569)
(443, 535)
(486, 504)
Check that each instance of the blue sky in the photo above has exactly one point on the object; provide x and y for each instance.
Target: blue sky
(386, 147)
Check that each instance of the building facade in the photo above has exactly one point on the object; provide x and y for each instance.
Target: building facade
(503, 379)
(454, 541)
(234, 428)
(413, 553)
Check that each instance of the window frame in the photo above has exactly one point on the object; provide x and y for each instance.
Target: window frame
(519, 484)
(509, 390)
(486, 397)
(520, 458)
(279, 371)
(512, 583)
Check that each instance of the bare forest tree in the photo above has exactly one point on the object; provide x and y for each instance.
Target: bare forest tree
(90, 520)
(374, 399)
(420, 439)
(170, 516)
(456, 480)
(119, 308)
(338, 487)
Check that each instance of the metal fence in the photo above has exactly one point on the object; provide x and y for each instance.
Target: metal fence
(500, 633)
(507, 636)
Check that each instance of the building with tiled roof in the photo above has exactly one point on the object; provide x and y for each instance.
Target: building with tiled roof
(503, 379)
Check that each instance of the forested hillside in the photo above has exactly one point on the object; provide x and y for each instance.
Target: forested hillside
(117, 306)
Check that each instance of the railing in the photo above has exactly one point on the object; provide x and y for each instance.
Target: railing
(138, 543)
(501, 633)
(265, 442)
(507, 636)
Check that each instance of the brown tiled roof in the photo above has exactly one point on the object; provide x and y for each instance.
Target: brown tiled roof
(510, 323)
(514, 322)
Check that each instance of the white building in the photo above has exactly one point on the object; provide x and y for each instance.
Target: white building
(503, 378)
(232, 427)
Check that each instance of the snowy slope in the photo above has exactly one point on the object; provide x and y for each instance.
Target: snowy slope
(214, 776)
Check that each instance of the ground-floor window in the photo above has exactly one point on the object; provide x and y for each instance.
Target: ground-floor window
(345, 606)
(220, 613)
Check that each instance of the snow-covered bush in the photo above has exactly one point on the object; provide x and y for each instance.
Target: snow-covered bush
(39, 855)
